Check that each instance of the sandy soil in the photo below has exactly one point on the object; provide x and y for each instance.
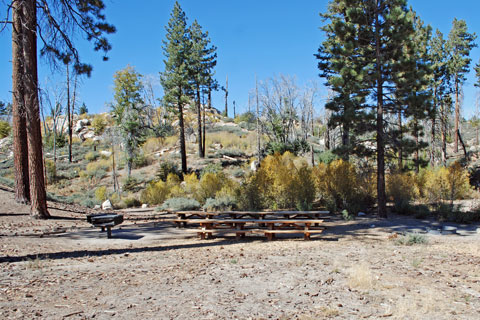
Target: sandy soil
(65, 269)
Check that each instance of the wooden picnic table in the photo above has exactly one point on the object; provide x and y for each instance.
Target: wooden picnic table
(273, 226)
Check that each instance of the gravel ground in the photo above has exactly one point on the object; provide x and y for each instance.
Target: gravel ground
(65, 269)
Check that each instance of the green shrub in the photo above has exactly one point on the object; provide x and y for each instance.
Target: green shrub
(234, 153)
(131, 202)
(130, 183)
(295, 147)
(51, 170)
(60, 140)
(224, 203)
(92, 156)
(180, 204)
(411, 238)
(101, 193)
(165, 169)
(327, 157)
(4, 129)
(141, 161)
(211, 168)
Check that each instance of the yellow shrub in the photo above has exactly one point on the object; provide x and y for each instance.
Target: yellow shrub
(340, 187)
(101, 193)
(99, 124)
(402, 187)
(209, 185)
(155, 193)
(152, 145)
(446, 183)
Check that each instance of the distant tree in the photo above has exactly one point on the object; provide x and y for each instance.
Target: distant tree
(460, 43)
(83, 109)
(129, 111)
(55, 23)
(5, 110)
(176, 76)
(202, 61)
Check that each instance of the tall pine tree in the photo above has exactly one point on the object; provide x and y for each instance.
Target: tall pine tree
(460, 43)
(202, 62)
(176, 77)
(372, 35)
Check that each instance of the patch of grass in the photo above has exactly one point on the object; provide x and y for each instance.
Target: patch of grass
(411, 239)
(180, 204)
(360, 277)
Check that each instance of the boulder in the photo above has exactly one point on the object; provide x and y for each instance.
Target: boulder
(144, 206)
(97, 207)
(107, 205)
(105, 153)
(254, 165)
(89, 135)
(81, 124)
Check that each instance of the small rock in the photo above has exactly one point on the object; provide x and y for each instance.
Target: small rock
(144, 206)
(97, 207)
(362, 214)
(105, 153)
(107, 205)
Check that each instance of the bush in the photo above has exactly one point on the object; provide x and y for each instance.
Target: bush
(224, 203)
(278, 184)
(130, 183)
(446, 183)
(166, 168)
(180, 204)
(99, 124)
(92, 156)
(412, 238)
(327, 157)
(141, 161)
(234, 153)
(131, 202)
(341, 188)
(212, 168)
(209, 185)
(153, 144)
(60, 140)
(51, 170)
(402, 188)
(295, 147)
(101, 193)
(157, 192)
(4, 129)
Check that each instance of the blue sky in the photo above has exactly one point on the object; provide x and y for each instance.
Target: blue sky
(264, 37)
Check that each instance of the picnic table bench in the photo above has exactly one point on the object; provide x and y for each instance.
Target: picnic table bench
(238, 226)
(105, 221)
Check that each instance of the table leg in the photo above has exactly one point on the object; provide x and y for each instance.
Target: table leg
(109, 232)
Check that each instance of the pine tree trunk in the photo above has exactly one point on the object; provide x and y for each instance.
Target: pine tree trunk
(346, 139)
(457, 117)
(226, 99)
(199, 121)
(433, 129)
(382, 199)
(259, 156)
(204, 120)
(183, 149)
(35, 153)
(400, 146)
(444, 135)
(69, 117)
(20, 145)
(417, 156)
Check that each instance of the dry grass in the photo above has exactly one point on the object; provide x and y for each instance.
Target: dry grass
(232, 140)
(360, 277)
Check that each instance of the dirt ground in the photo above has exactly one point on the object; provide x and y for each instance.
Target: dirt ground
(65, 269)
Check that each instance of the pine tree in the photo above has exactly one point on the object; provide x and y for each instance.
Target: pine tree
(202, 61)
(129, 111)
(367, 41)
(175, 78)
(460, 43)
(55, 23)
(439, 85)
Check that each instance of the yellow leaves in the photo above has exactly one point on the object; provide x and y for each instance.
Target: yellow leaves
(447, 183)
(402, 187)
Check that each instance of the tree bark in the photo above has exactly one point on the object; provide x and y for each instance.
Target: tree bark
(20, 145)
(226, 98)
(433, 129)
(183, 150)
(35, 153)
(381, 196)
(457, 117)
(416, 155)
(199, 121)
(444, 134)
(400, 138)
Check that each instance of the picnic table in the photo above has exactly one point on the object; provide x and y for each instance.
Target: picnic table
(238, 226)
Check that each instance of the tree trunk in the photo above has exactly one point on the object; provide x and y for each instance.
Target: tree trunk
(199, 121)
(433, 129)
(204, 120)
(258, 121)
(382, 199)
(35, 153)
(69, 116)
(457, 117)
(400, 146)
(183, 150)
(20, 146)
(226, 98)
(416, 156)
(444, 135)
